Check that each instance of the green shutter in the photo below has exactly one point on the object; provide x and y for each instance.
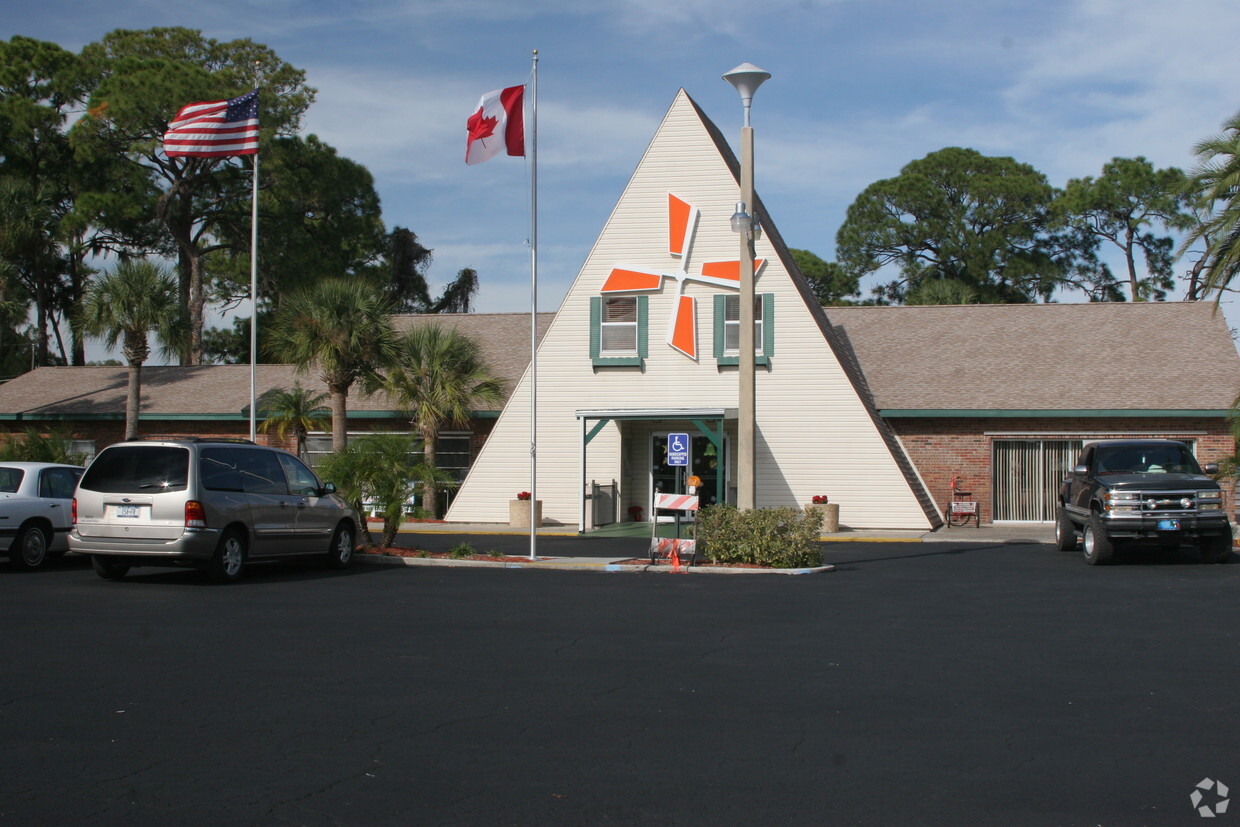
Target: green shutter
(720, 308)
(643, 314)
(596, 313)
(768, 326)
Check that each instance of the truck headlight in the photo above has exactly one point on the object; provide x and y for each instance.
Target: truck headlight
(1209, 500)
(1122, 501)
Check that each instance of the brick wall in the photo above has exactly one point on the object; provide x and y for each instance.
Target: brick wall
(941, 448)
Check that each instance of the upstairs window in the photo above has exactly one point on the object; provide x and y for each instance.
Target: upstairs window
(618, 326)
(618, 330)
(728, 328)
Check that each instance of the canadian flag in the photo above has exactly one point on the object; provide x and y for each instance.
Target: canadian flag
(497, 123)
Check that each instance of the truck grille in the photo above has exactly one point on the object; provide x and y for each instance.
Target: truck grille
(1169, 502)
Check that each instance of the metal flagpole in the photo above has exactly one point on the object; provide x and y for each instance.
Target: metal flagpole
(254, 302)
(534, 311)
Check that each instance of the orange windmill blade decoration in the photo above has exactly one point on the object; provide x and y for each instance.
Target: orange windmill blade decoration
(682, 221)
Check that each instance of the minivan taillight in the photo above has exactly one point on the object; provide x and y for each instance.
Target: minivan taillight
(195, 515)
(73, 514)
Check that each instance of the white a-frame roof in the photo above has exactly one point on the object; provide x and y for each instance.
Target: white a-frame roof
(668, 241)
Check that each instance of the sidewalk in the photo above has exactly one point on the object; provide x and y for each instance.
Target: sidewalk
(561, 547)
(1001, 533)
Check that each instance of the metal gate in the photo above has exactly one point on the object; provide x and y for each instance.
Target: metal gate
(604, 503)
(1027, 474)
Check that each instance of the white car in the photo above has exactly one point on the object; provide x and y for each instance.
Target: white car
(36, 511)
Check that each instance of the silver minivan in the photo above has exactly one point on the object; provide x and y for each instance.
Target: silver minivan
(211, 503)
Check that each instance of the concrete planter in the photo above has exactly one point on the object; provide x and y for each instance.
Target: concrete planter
(519, 513)
(830, 516)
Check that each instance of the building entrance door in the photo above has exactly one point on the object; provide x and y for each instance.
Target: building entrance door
(704, 462)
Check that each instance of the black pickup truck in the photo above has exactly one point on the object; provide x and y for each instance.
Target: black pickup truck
(1149, 491)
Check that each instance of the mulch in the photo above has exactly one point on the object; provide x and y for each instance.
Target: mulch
(489, 558)
(444, 555)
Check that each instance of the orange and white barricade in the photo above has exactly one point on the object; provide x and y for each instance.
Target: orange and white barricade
(676, 550)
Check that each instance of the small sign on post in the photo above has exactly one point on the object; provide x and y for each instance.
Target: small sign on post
(678, 450)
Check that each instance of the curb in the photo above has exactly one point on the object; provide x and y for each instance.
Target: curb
(574, 564)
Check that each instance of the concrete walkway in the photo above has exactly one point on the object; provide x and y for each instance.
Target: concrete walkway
(561, 547)
(990, 533)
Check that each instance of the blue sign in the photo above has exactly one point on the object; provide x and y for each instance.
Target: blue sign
(678, 449)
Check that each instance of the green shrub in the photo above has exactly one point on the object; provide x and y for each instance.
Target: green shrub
(461, 551)
(36, 446)
(780, 537)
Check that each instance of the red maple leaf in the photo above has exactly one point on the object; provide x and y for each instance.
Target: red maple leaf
(480, 127)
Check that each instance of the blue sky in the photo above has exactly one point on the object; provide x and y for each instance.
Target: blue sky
(859, 89)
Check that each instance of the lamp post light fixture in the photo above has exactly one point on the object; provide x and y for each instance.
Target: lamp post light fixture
(746, 78)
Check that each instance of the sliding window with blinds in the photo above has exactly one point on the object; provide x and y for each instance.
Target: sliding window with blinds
(1027, 474)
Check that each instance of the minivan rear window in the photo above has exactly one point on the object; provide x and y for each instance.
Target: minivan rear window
(132, 469)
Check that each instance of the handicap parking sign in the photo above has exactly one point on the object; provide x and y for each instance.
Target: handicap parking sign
(678, 449)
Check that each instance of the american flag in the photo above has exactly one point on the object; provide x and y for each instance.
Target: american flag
(213, 129)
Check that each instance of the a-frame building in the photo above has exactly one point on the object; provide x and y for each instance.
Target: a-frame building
(644, 345)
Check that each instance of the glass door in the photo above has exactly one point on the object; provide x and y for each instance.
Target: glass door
(705, 463)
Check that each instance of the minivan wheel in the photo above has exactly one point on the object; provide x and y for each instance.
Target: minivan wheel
(109, 568)
(340, 553)
(30, 549)
(229, 559)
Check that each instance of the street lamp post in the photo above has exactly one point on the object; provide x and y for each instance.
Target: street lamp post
(746, 78)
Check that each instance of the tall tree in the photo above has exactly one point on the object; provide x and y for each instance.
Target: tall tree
(957, 214)
(439, 378)
(408, 261)
(341, 328)
(402, 277)
(941, 292)
(296, 412)
(1214, 184)
(321, 218)
(144, 78)
(41, 86)
(1123, 207)
(28, 247)
(832, 284)
(136, 299)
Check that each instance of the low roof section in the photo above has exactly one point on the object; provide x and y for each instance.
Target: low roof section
(1102, 359)
(223, 391)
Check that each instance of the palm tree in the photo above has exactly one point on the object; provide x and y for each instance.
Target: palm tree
(1216, 184)
(296, 412)
(438, 379)
(342, 328)
(136, 299)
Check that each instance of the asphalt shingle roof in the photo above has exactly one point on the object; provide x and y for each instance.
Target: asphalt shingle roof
(1052, 357)
(1099, 356)
(214, 390)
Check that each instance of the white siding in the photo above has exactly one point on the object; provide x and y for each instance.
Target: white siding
(815, 435)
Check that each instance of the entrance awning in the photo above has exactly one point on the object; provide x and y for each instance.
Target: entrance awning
(659, 413)
(702, 418)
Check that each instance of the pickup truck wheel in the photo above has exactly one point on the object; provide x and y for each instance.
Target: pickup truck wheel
(1098, 546)
(1216, 549)
(109, 568)
(29, 551)
(1065, 532)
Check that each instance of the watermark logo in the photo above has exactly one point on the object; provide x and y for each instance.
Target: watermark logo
(1210, 798)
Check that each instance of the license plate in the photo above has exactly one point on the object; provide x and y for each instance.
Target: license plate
(1168, 525)
(134, 511)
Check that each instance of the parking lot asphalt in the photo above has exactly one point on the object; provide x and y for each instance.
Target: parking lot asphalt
(918, 683)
